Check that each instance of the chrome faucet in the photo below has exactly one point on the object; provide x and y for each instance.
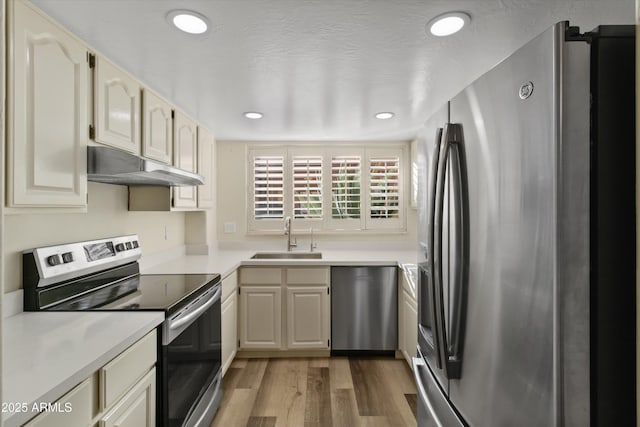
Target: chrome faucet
(312, 245)
(288, 227)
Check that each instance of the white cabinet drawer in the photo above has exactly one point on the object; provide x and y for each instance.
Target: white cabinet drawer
(73, 409)
(308, 276)
(261, 276)
(119, 375)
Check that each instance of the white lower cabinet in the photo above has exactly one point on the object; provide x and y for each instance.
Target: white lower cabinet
(307, 317)
(410, 326)
(229, 320)
(120, 394)
(261, 321)
(407, 320)
(76, 408)
(284, 308)
(137, 407)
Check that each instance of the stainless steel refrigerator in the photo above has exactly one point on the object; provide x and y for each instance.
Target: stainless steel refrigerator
(527, 240)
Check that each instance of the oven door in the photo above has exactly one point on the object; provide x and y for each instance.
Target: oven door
(190, 384)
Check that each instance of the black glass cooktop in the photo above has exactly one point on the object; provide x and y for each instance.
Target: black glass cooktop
(167, 292)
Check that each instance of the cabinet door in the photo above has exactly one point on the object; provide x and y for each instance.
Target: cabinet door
(137, 408)
(260, 317)
(75, 408)
(47, 115)
(185, 138)
(409, 321)
(229, 330)
(206, 162)
(117, 107)
(307, 317)
(157, 136)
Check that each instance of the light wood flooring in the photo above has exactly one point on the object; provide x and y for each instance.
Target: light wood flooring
(336, 391)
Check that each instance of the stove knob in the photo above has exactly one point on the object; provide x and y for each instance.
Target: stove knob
(128, 245)
(53, 260)
(67, 257)
(119, 247)
(135, 244)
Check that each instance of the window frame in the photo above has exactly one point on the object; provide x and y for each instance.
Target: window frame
(327, 224)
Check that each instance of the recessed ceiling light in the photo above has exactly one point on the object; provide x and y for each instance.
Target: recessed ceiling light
(384, 116)
(253, 115)
(188, 21)
(448, 23)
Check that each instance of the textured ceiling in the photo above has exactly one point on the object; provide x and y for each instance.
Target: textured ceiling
(318, 69)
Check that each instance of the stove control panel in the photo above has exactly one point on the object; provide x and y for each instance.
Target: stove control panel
(55, 263)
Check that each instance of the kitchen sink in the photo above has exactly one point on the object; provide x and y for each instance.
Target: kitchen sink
(287, 255)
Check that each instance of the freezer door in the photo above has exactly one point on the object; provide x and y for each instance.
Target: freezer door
(434, 410)
(507, 118)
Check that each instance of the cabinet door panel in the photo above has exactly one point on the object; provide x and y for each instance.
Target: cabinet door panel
(137, 408)
(76, 407)
(185, 147)
(260, 309)
(117, 109)
(229, 330)
(157, 127)
(409, 340)
(48, 114)
(307, 317)
(206, 162)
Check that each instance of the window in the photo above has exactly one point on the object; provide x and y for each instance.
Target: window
(268, 194)
(384, 189)
(327, 188)
(307, 187)
(345, 187)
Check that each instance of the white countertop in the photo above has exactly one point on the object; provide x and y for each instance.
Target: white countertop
(45, 354)
(226, 261)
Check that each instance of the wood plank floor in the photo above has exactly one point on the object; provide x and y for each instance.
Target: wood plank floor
(335, 392)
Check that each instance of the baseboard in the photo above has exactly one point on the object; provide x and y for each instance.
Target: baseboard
(252, 354)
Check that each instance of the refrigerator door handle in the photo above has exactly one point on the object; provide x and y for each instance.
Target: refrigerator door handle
(418, 365)
(459, 278)
(451, 137)
(431, 284)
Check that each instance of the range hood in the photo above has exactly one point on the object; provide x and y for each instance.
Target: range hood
(112, 166)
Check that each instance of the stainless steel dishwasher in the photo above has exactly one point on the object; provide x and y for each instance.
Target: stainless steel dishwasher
(364, 309)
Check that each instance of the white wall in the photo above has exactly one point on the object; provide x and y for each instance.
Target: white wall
(107, 216)
(232, 191)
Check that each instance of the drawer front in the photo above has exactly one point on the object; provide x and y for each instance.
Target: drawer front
(308, 276)
(72, 409)
(119, 375)
(229, 285)
(261, 276)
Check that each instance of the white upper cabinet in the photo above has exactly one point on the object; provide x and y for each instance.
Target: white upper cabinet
(157, 122)
(47, 113)
(206, 162)
(117, 107)
(185, 146)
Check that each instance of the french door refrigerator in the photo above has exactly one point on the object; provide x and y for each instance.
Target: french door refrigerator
(527, 240)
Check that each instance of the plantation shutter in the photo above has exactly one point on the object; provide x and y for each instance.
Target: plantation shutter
(268, 187)
(345, 187)
(307, 187)
(384, 187)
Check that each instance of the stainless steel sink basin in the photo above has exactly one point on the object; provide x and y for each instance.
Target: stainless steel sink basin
(287, 255)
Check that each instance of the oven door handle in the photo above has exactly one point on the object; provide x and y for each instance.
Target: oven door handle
(196, 312)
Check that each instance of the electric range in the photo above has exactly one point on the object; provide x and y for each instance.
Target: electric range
(104, 274)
